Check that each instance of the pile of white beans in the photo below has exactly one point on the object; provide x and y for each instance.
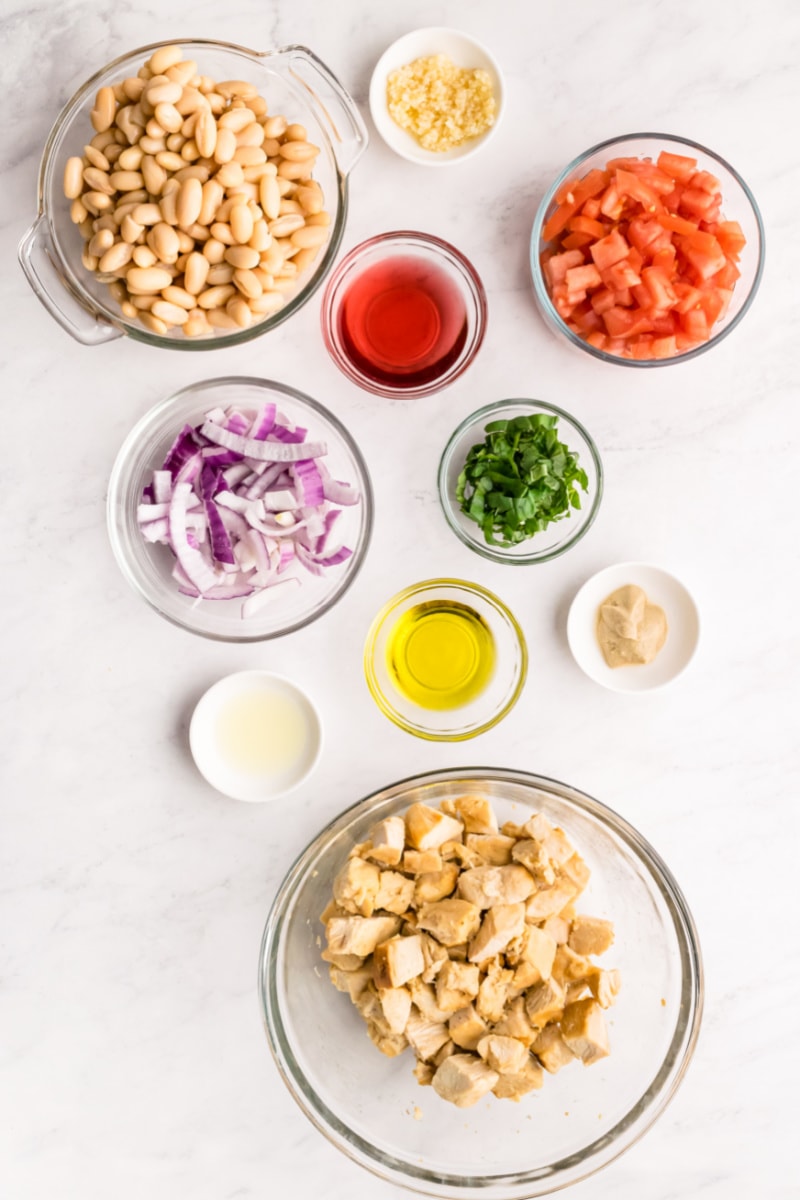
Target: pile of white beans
(197, 206)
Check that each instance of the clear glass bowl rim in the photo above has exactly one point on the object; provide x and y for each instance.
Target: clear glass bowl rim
(418, 589)
(492, 552)
(428, 241)
(127, 450)
(130, 328)
(519, 1186)
(543, 295)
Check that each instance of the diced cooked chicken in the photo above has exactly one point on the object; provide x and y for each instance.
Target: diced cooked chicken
(604, 985)
(450, 921)
(590, 935)
(568, 967)
(558, 928)
(458, 953)
(360, 850)
(514, 1023)
(512, 830)
(390, 1044)
(475, 811)
(446, 1050)
(556, 844)
(434, 885)
(351, 982)
(534, 858)
(458, 852)
(494, 849)
(467, 1028)
(395, 892)
(579, 990)
(544, 1003)
(514, 1087)
(347, 962)
(463, 1079)
(583, 1028)
(331, 910)
(427, 828)
(426, 1037)
(551, 1049)
(424, 996)
(369, 1005)
(501, 924)
(548, 901)
(396, 1005)
(424, 1072)
(539, 950)
(525, 976)
(422, 862)
(576, 870)
(388, 840)
(435, 956)
(493, 992)
(505, 1055)
(486, 886)
(397, 960)
(359, 935)
(456, 985)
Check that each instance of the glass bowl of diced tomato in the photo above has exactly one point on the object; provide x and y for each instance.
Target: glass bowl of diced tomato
(647, 250)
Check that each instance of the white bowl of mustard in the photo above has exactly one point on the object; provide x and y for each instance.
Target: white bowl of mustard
(255, 736)
(586, 629)
(466, 54)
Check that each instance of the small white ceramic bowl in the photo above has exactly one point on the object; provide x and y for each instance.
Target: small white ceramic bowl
(465, 51)
(683, 627)
(294, 742)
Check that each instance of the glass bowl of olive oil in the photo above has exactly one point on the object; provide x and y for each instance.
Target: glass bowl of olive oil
(445, 660)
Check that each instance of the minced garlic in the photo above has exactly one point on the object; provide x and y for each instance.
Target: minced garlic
(440, 104)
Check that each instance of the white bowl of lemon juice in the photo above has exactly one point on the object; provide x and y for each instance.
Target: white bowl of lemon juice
(255, 736)
(445, 660)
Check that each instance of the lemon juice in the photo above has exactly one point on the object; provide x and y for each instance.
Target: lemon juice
(441, 654)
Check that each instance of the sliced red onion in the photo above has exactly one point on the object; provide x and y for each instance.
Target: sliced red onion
(262, 451)
(258, 599)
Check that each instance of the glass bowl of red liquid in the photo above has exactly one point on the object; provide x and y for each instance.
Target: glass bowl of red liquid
(404, 315)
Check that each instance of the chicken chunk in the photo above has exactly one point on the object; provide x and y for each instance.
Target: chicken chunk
(494, 849)
(444, 1052)
(424, 1073)
(396, 1005)
(583, 1028)
(351, 982)
(549, 901)
(486, 886)
(427, 828)
(435, 956)
(558, 928)
(551, 1049)
(569, 967)
(590, 935)
(388, 840)
(397, 960)
(456, 985)
(458, 852)
(434, 885)
(544, 1003)
(475, 811)
(514, 1023)
(576, 870)
(501, 924)
(467, 1028)
(556, 844)
(493, 992)
(426, 1037)
(331, 910)
(346, 962)
(450, 921)
(390, 1044)
(514, 1087)
(359, 935)
(534, 858)
(422, 862)
(424, 996)
(464, 1079)
(505, 1055)
(604, 985)
(395, 892)
(539, 950)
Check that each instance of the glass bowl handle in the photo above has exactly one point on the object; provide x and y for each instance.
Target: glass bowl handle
(39, 261)
(336, 106)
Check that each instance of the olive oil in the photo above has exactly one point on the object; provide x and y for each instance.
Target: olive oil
(440, 654)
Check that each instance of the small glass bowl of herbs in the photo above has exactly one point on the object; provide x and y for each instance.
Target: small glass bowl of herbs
(520, 481)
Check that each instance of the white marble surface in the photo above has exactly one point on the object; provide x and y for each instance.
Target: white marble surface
(133, 897)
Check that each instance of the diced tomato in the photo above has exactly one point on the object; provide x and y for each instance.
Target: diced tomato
(608, 250)
(576, 241)
(678, 166)
(730, 237)
(706, 182)
(581, 224)
(641, 263)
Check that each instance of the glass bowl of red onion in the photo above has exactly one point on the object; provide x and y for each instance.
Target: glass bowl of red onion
(240, 509)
